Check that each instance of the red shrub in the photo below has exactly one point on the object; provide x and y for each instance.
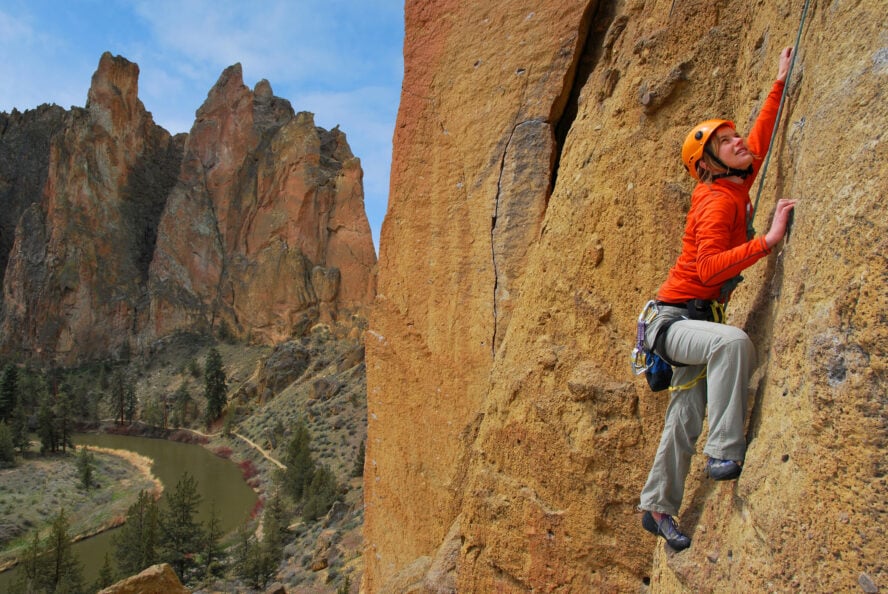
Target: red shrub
(223, 452)
(248, 469)
(257, 508)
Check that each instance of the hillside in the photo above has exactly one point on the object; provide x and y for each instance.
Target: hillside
(317, 379)
(537, 202)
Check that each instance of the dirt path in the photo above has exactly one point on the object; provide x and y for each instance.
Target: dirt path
(259, 449)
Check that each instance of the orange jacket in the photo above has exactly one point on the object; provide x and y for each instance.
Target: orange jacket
(715, 247)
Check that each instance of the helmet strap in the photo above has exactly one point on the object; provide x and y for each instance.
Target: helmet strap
(729, 171)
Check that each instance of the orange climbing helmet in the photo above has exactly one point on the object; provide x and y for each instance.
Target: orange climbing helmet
(695, 142)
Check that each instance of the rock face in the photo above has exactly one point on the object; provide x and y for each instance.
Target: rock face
(157, 579)
(117, 234)
(81, 250)
(537, 201)
(266, 225)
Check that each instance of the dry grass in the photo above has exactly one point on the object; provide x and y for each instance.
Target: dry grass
(33, 493)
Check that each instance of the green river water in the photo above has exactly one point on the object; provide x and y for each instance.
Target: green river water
(218, 481)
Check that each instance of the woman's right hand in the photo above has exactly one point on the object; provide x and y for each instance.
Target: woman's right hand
(780, 222)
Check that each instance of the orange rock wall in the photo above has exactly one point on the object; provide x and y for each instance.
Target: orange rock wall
(507, 439)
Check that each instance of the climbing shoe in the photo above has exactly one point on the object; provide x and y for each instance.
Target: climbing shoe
(723, 470)
(667, 529)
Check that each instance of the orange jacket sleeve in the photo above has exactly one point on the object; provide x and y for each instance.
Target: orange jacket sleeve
(717, 261)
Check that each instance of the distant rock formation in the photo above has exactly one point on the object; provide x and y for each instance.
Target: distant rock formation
(537, 201)
(118, 234)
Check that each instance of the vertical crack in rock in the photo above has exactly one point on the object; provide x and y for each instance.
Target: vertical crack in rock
(522, 197)
(598, 30)
(493, 242)
(529, 168)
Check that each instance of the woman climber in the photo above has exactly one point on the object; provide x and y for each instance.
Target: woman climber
(713, 361)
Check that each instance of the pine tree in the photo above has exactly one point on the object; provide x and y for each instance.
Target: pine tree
(118, 396)
(345, 587)
(359, 462)
(7, 446)
(182, 533)
(8, 391)
(61, 570)
(299, 462)
(320, 495)
(136, 543)
(106, 575)
(19, 427)
(253, 562)
(181, 405)
(64, 420)
(29, 567)
(274, 525)
(46, 427)
(215, 386)
(130, 402)
(85, 464)
(213, 553)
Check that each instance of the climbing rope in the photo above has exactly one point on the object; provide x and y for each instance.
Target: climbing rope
(700, 377)
(750, 231)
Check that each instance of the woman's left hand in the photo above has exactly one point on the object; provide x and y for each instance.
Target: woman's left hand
(785, 59)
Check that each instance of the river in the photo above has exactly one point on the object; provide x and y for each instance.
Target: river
(218, 480)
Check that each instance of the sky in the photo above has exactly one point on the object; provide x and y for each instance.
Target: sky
(339, 59)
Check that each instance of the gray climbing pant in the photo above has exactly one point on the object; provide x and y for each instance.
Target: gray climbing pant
(720, 360)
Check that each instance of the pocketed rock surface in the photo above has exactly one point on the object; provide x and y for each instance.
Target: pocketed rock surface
(537, 201)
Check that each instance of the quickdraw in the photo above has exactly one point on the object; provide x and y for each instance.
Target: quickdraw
(640, 358)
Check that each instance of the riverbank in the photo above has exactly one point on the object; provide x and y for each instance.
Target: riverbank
(32, 494)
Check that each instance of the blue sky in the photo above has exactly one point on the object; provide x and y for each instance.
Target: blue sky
(339, 59)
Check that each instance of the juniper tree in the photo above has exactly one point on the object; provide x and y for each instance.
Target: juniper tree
(181, 404)
(130, 402)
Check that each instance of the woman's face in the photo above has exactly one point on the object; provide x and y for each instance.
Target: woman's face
(732, 149)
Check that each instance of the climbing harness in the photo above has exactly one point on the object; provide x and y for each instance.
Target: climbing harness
(750, 230)
(653, 362)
